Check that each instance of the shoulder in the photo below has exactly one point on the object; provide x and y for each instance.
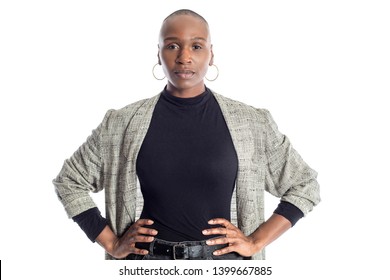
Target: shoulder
(134, 107)
(241, 109)
(122, 116)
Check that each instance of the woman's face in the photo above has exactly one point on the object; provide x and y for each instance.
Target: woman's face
(185, 52)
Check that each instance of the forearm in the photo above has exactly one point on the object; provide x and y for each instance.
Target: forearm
(269, 231)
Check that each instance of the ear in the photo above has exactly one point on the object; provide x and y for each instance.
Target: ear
(158, 55)
(212, 56)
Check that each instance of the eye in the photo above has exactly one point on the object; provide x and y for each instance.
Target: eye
(172, 47)
(197, 47)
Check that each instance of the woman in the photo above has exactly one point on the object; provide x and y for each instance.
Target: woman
(203, 162)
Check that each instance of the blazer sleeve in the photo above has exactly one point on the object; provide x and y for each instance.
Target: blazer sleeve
(287, 175)
(82, 174)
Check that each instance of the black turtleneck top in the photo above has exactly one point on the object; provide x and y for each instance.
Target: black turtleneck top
(186, 166)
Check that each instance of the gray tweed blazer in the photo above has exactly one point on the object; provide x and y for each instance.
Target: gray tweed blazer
(107, 160)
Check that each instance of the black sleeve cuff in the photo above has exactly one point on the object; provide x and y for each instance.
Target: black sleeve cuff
(289, 211)
(91, 222)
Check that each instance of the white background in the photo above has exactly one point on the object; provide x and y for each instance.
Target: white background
(321, 67)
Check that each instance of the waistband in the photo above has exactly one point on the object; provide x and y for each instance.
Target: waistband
(186, 250)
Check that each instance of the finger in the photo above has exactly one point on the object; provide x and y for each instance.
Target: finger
(146, 231)
(139, 251)
(219, 240)
(142, 222)
(222, 222)
(220, 231)
(138, 228)
(140, 238)
(223, 251)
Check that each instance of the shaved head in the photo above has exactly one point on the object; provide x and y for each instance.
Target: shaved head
(186, 12)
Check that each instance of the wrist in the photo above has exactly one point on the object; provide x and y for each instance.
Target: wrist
(270, 230)
(258, 243)
(110, 246)
(108, 240)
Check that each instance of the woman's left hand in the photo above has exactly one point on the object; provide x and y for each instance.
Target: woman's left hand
(231, 235)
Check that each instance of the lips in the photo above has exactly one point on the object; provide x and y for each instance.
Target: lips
(184, 74)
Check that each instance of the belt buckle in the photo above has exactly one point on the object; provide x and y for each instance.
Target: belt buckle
(179, 254)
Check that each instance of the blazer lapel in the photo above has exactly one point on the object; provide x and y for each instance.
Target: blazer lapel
(135, 134)
(241, 137)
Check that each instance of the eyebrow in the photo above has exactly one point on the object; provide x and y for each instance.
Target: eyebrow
(178, 39)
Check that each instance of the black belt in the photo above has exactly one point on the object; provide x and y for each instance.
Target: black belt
(184, 250)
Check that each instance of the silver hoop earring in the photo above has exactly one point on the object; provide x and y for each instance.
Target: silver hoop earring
(217, 74)
(160, 79)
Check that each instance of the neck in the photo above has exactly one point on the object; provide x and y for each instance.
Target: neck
(186, 93)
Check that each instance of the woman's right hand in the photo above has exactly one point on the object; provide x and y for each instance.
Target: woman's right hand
(121, 247)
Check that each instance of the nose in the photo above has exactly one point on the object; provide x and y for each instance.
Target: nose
(184, 56)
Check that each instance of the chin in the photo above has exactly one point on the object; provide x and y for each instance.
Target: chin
(186, 85)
